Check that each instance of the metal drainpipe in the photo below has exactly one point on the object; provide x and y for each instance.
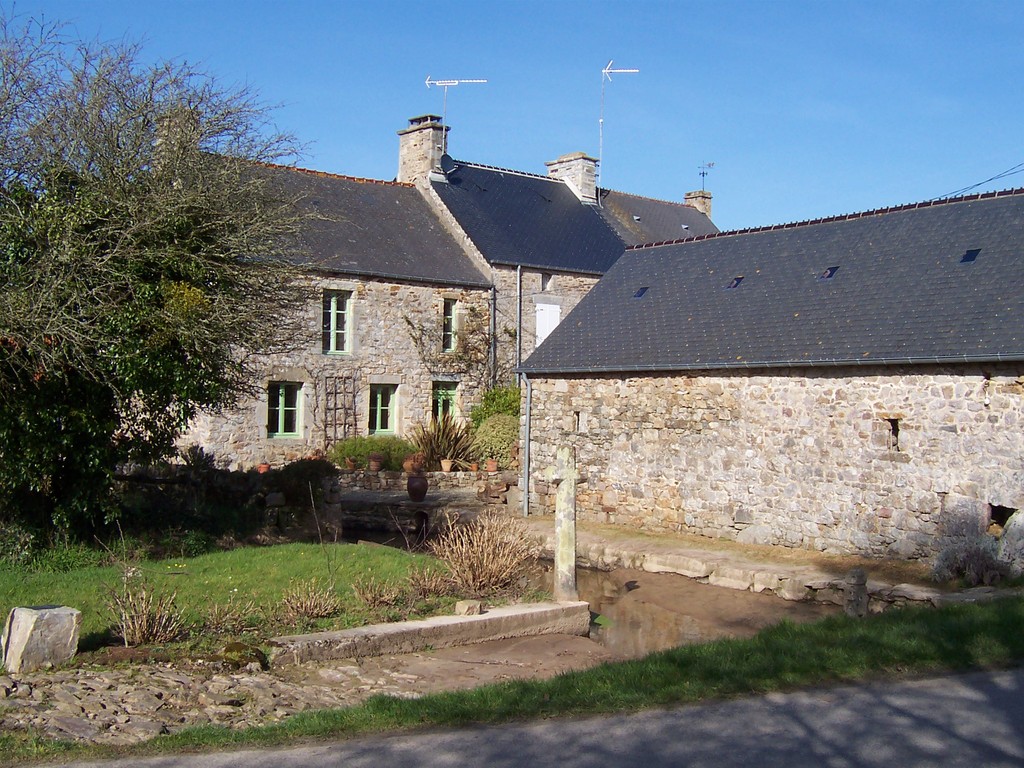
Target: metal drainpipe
(526, 447)
(519, 318)
(493, 351)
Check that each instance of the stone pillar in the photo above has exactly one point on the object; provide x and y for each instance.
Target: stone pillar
(565, 525)
(856, 593)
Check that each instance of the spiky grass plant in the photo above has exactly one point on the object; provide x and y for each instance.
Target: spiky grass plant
(444, 438)
(308, 601)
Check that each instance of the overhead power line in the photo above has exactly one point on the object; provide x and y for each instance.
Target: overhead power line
(1019, 168)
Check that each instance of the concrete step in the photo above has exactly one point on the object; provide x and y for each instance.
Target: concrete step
(571, 618)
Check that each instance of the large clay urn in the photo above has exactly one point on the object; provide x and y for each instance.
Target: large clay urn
(417, 487)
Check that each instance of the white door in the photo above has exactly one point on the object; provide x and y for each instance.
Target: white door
(548, 316)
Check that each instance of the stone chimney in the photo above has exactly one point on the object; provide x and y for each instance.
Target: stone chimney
(420, 147)
(699, 199)
(579, 171)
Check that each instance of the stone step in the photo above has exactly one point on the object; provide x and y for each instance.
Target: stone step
(571, 618)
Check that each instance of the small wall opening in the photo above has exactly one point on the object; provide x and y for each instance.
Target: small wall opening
(998, 517)
(894, 434)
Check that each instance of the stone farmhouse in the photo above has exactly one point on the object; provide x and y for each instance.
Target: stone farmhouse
(429, 289)
(850, 385)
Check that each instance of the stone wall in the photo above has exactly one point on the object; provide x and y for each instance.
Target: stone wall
(564, 289)
(396, 340)
(867, 461)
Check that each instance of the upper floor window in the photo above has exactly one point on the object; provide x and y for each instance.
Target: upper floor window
(383, 399)
(547, 281)
(284, 409)
(448, 326)
(337, 318)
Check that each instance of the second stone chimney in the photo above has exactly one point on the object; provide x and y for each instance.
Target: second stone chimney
(420, 147)
(699, 199)
(579, 172)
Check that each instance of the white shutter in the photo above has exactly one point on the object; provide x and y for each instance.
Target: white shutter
(548, 316)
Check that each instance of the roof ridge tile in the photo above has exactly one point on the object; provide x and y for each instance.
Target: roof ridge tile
(837, 218)
(344, 177)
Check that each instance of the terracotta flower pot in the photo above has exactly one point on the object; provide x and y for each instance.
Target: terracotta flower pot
(474, 466)
(263, 468)
(350, 463)
(374, 462)
(446, 465)
(491, 465)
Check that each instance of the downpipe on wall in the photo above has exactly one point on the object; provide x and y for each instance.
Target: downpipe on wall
(526, 446)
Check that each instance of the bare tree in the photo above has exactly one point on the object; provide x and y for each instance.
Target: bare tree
(141, 257)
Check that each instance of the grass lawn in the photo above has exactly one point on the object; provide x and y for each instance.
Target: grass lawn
(259, 574)
(912, 641)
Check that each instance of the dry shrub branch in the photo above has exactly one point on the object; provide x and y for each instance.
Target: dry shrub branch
(142, 615)
(490, 555)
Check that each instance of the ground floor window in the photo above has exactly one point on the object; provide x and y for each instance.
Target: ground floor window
(284, 414)
(443, 399)
(383, 400)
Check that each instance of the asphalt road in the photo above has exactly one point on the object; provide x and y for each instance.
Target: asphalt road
(974, 720)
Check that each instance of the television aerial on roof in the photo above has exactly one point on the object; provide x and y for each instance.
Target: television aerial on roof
(606, 74)
(446, 84)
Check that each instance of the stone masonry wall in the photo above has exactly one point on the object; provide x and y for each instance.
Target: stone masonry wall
(870, 461)
(385, 349)
(565, 289)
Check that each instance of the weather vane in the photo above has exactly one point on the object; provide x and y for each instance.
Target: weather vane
(704, 173)
(606, 74)
(446, 84)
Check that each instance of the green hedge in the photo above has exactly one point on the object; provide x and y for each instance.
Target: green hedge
(394, 450)
(498, 400)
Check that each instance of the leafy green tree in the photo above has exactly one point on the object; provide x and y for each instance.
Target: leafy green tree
(140, 262)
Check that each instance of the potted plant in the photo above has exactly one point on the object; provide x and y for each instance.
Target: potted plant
(350, 462)
(413, 463)
(446, 465)
(375, 461)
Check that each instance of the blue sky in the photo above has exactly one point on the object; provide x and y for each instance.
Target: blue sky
(807, 109)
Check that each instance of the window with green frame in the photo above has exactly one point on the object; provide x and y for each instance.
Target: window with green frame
(337, 317)
(284, 409)
(448, 326)
(443, 398)
(383, 399)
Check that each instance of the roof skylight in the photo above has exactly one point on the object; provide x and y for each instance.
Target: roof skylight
(970, 256)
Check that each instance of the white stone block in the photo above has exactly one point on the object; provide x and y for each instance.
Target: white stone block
(39, 637)
(684, 565)
(731, 577)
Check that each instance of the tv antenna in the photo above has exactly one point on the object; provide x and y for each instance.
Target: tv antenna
(606, 74)
(446, 84)
(704, 173)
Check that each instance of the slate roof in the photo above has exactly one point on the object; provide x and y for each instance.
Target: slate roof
(373, 228)
(533, 221)
(639, 220)
(905, 290)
